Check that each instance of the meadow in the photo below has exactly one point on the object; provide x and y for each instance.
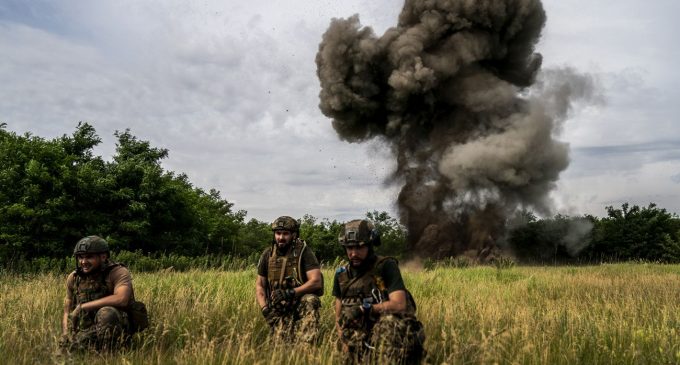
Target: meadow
(606, 314)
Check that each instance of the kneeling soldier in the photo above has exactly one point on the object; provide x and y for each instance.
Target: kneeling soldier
(288, 285)
(99, 300)
(374, 313)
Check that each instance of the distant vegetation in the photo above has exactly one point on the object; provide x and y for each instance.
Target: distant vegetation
(53, 192)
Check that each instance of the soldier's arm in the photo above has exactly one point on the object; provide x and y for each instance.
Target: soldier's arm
(395, 304)
(68, 304)
(68, 307)
(121, 280)
(260, 291)
(119, 299)
(313, 283)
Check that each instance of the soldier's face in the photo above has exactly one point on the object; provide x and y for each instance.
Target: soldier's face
(283, 238)
(356, 254)
(90, 262)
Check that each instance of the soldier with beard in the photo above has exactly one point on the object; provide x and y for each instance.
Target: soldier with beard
(100, 310)
(374, 313)
(289, 283)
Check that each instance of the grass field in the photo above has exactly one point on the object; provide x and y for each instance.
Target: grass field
(609, 314)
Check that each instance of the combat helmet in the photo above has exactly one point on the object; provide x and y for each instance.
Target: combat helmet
(285, 223)
(359, 232)
(91, 244)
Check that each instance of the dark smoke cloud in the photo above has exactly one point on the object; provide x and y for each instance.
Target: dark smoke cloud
(447, 89)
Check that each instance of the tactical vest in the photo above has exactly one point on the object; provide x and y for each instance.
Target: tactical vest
(368, 287)
(92, 287)
(285, 272)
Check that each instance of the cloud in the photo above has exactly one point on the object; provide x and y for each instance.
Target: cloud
(230, 89)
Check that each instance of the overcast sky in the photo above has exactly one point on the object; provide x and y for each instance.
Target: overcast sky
(230, 89)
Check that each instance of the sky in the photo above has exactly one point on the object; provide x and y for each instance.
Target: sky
(230, 89)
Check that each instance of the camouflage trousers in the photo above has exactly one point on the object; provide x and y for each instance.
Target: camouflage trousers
(106, 329)
(392, 339)
(298, 324)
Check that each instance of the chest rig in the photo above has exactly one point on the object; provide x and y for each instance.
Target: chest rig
(368, 287)
(92, 287)
(285, 271)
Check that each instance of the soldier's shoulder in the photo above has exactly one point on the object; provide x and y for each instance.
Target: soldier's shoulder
(342, 269)
(117, 271)
(71, 277)
(266, 253)
(387, 260)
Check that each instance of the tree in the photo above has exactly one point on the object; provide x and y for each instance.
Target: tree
(392, 233)
(53, 192)
(630, 233)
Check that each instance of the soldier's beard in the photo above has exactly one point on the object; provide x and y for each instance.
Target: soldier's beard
(360, 264)
(282, 245)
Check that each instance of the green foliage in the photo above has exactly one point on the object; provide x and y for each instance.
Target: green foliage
(322, 237)
(53, 192)
(392, 233)
(648, 234)
(136, 261)
(629, 233)
(551, 240)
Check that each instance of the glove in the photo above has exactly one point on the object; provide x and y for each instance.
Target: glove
(352, 317)
(281, 295)
(268, 315)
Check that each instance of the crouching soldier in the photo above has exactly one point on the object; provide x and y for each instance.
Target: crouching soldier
(374, 313)
(288, 285)
(100, 310)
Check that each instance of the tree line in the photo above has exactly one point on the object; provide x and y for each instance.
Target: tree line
(55, 191)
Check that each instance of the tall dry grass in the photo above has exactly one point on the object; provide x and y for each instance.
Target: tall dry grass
(610, 314)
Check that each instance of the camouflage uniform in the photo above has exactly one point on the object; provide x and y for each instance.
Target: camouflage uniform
(297, 320)
(108, 327)
(383, 338)
(392, 338)
(102, 329)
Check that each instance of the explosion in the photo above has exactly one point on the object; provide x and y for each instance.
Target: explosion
(448, 90)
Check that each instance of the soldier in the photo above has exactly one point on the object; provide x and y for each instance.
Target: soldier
(99, 300)
(289, 283)
(374, 313)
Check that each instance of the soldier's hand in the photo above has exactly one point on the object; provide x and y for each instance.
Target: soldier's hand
(63, 341)
(281, 295)
(76, 312)
(269, 315)
(352, 316)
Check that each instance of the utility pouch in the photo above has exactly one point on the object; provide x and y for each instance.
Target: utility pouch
(139, 317)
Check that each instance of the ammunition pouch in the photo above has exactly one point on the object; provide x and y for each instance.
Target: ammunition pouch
(138, 316)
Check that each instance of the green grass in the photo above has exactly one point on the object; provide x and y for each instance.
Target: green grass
(608, 314)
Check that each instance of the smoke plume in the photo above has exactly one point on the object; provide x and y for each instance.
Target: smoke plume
(448, 90)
